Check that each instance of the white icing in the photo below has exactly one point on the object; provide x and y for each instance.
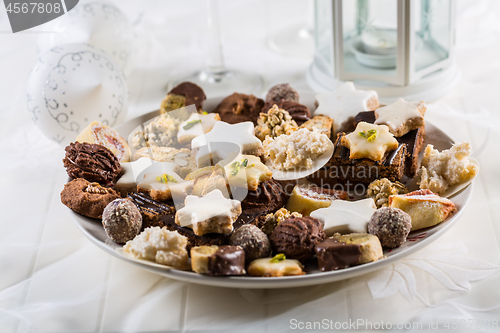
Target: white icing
(199, 209)
(205, 124)
(346, 216)
(343, 103)
(131, 171)
(397, 114)
(248, 177)
(151, 182)
(179, 189)
(362, 147)
(163, 167)
(219, 142)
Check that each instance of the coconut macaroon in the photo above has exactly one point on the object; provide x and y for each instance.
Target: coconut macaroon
(299, 149)
(440, 170)
(161, 246)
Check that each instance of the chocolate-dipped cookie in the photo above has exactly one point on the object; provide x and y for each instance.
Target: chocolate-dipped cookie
(218, 260)
(296, 237)
(184, 94)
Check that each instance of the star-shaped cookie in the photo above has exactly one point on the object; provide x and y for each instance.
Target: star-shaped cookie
(346, 216)
(211, 213)
(401, 116)
(223, 139)
(345, 102)
(369, 141)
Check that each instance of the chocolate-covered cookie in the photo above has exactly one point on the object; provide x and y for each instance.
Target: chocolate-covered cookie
(296, 237)
(92, 162)
(238, 108)
(192, 93)
(86, 198)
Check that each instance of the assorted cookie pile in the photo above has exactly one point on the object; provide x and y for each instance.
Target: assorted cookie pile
(196, 191)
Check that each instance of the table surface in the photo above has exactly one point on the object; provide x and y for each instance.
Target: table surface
(54, 280)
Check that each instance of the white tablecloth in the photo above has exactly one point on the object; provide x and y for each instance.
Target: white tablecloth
(54, 280)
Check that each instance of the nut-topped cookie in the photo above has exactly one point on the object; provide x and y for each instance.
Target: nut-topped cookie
(274, 123)
(86, 198)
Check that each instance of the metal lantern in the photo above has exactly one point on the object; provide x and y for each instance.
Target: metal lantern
(400, 48)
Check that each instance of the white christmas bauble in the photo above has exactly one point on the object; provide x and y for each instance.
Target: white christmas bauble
(98, 23)
(72, 85)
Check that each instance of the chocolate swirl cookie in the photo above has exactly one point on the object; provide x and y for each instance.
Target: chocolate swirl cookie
(92, 162)
(268, 197)
(296, 237)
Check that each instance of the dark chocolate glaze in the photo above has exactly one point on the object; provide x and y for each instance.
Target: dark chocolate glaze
(193, 94)
(366, 116)
(333, 254)
(144, 202)
(227, 260)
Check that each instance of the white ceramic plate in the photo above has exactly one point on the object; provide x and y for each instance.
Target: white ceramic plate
(417, 240)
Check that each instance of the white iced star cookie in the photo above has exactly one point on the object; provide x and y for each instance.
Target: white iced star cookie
(130, 172)
(346, 216)
(219, 142)
(245, 171)
(133, 172)
(401, 116)
(163, 186)
(196, 125)
(369, 141)
(345, 102)
(211, 213)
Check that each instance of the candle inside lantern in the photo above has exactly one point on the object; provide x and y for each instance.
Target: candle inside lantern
(379, 41)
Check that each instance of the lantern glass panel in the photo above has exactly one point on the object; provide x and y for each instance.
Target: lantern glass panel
(370, 37)
(432, 29)
(323, 35)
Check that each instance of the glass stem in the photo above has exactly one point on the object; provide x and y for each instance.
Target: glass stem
(215, 64)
